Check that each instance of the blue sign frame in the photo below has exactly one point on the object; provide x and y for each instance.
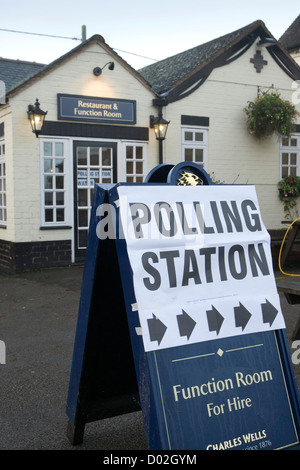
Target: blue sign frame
(231, 393)
(95, 109)
(261, 416)
(215, 395)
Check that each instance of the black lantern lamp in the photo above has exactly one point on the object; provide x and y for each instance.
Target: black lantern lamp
(160, 126)
(36, 117)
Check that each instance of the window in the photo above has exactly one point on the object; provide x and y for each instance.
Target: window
(194, 145)
(3, 213)
(135, 163)
(289, 156)
(54, 193)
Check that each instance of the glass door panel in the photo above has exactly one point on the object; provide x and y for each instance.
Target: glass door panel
(93, 163)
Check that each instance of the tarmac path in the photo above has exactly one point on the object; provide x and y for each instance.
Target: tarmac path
(38, 315)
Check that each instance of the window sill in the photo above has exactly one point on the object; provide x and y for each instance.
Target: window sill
(55, 227)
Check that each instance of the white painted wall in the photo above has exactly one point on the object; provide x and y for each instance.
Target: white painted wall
(233, 155)
(296, 56)
(74, 76)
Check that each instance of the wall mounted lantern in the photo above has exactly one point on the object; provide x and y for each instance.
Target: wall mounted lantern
(36, 117)
(98, 70)
(160, 126)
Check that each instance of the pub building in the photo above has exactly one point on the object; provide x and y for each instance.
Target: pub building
(89, 117)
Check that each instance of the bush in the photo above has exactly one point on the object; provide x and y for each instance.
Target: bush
(269, 113)
(289, 191)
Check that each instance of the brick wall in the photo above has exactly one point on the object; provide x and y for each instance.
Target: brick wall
(5, 255)
(20, 257)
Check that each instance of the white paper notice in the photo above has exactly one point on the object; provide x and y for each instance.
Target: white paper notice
(201, 262)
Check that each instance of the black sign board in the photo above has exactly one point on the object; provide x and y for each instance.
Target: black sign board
(95, 109)
(211, 373)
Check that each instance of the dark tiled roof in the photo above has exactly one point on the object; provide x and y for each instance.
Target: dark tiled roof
(176, 75)
(164, 74)
(291, 38)
(13, 72)
(24, 73)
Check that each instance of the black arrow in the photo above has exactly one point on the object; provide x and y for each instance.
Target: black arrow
(157, 329)
(215, 320)
(269, 312)
(185, 324)
(242, 316)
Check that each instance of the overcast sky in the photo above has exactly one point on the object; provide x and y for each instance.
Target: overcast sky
(152, 29)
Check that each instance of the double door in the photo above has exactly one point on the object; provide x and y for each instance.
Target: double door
(94, 162)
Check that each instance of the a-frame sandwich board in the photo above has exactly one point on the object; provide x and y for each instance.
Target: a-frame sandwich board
(102, 380)
(255, 383)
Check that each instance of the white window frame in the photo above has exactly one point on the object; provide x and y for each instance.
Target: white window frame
(3, 201)
(67, 189)
(123, 174)
(193, 144)
(289, 156)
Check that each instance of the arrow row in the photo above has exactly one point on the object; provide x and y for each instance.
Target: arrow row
(215, 320)
(157, 329)
(269, 312)
(242, 316)
(185, 324)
